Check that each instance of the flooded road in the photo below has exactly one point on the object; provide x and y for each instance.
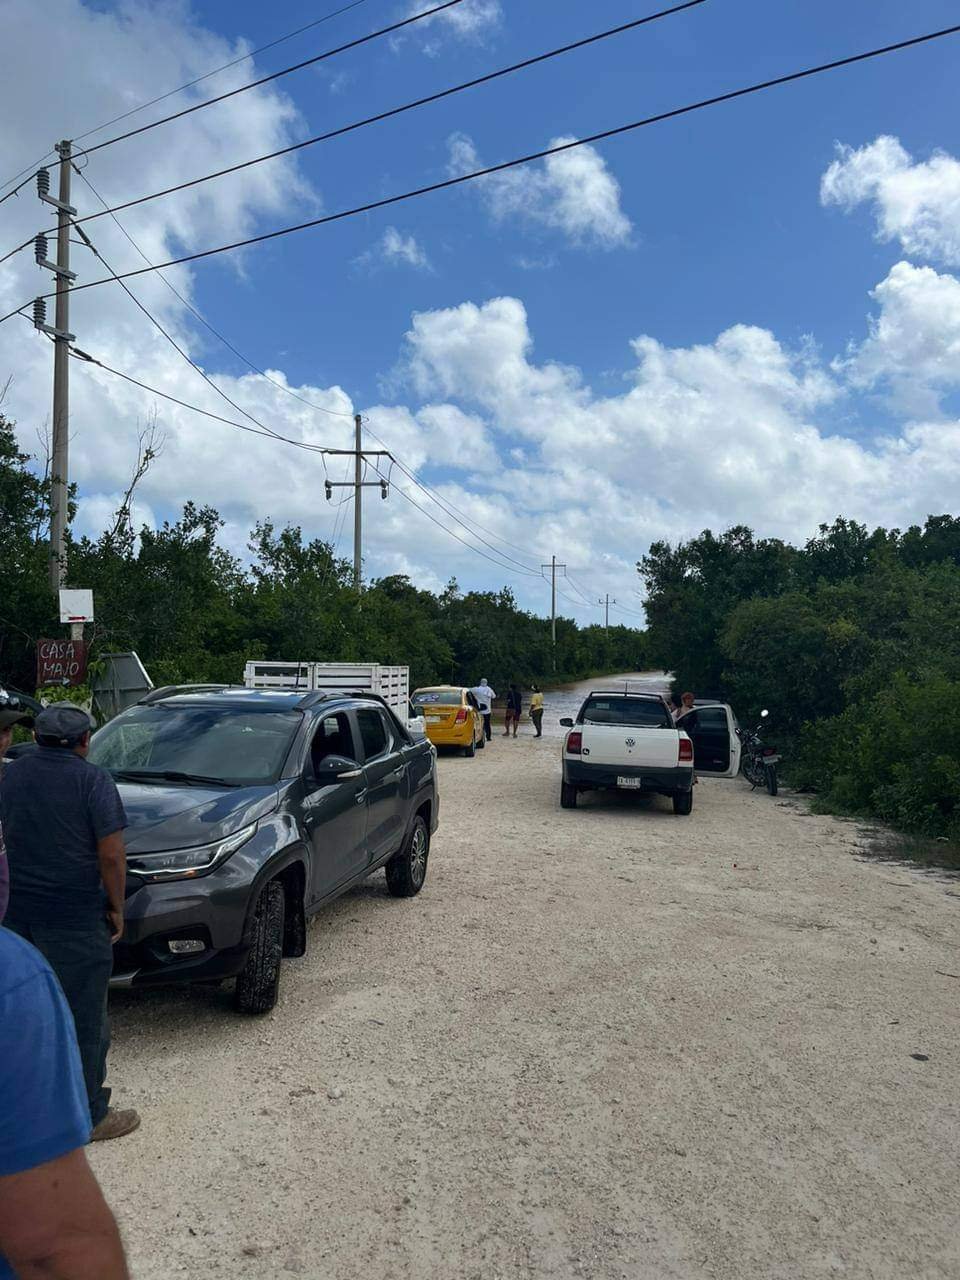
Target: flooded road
(566, 699)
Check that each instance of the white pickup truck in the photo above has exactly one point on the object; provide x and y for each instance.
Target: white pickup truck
(628, 742)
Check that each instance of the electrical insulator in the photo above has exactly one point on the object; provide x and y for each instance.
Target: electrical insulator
(39, 312)
(43, 182)
(328, 487)
(383, 488)
(40, 247)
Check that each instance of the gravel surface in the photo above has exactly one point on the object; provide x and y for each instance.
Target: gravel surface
(593, 1046)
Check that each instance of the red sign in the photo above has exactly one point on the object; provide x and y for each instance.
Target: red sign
(61, 662)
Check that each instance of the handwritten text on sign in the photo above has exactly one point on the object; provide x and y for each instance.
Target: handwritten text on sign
(61, 662)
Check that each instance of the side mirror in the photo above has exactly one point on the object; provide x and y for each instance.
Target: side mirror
(567, 722)
(335, 769)
(764, 714)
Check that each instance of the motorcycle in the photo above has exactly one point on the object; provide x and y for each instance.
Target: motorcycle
(759, 760)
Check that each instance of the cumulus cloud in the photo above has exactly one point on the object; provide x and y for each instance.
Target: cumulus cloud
(913, 347)
(394, 249)
(916, 202)
(572, 192)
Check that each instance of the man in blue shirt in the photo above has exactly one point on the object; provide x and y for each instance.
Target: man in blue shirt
(63, 825)
(53, 1217)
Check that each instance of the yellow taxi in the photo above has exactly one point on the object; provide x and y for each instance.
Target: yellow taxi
(452, 717)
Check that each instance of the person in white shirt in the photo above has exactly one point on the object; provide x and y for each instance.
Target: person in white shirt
(485, 696)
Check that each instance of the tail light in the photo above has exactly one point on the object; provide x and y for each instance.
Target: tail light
(769, 751)
(461, 716)
(574, 742)
(686, 751)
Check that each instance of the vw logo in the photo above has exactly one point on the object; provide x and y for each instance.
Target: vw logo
(631, 742)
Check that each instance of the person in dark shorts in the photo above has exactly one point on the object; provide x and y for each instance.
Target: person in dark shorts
(514, 707)
(63, 825)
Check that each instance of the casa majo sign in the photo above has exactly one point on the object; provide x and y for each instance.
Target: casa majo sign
(61, 662)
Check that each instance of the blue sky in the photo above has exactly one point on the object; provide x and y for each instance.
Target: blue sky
(546, 424)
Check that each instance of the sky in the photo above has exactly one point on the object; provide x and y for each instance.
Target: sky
(750, 314)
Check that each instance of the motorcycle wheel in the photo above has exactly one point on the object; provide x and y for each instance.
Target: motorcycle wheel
(771, 779)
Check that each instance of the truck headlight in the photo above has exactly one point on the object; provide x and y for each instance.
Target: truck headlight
(187, 864)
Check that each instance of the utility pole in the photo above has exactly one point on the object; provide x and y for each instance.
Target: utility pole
(607, 602)
(553, 567)
(357, 501)
(358, 484)
(60, 332)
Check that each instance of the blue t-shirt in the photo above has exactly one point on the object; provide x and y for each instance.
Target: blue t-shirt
(54, 807)
(45, 1113)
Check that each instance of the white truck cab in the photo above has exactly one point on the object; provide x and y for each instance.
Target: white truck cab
(629, 741)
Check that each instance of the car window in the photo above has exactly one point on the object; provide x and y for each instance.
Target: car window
(714, 718)
(373, 733)
(632, 711)
(235, 743)
(332, 738)
(438, 698)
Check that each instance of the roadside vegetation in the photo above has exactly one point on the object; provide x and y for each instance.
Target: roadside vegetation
(195, 612)
(853, 644)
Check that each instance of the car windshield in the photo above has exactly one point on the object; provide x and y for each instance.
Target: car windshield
(618, 710)
(232, 744)
(437, 698)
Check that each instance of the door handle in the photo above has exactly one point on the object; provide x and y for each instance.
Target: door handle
(395, 776)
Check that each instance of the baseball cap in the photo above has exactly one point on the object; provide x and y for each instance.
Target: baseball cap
(64, 722)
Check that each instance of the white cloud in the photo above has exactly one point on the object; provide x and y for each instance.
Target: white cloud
(916, 202)
(572, 192)
(394, 249)
(470, 20)
(913, 347)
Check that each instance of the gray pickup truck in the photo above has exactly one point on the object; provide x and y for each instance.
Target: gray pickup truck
(248, 811)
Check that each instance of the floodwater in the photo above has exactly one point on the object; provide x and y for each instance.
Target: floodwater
(566, 699)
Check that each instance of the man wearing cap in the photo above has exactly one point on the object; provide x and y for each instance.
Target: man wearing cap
(63, 824)
(11, 713)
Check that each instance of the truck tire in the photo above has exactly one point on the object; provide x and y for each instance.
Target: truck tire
(407, 869)
(683, 802)
(258, 982)
(568, 795)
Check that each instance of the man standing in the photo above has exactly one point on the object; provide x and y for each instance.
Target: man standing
(54, 1220)
(514, 707)
(11, 713)
(536, 710)
(63, 824)
(485, 696)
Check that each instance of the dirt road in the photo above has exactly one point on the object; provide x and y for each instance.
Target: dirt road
(591, 1047)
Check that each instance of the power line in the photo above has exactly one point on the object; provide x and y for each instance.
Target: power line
(444, 506)
(276, 75)
(28, 178)
(173, 342)
(407, 106)
(520, 160)
(190, 84)
(193, 311)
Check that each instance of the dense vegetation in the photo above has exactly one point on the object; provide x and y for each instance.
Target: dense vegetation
(194, 612)
(853, 644)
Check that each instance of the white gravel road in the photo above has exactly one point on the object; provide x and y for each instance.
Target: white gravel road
(593, 1046)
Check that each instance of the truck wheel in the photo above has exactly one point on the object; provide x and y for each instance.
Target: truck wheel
(771, 779)
(407, 869)
(259, 980)
(568, 795)
(683, 802)
(470, 751)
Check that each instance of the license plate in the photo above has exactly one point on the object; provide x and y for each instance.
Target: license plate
(771, 759)
(434, 719)
(629, 782)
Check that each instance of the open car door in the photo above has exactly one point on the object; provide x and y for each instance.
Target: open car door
(716, 743)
